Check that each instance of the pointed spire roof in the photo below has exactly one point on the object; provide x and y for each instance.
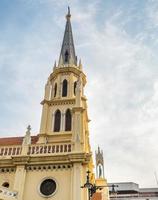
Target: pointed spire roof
(67, 54)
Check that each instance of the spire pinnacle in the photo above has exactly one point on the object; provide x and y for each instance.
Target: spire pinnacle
(80, 64)
(68, 14)
(54, 65)
(67, 55)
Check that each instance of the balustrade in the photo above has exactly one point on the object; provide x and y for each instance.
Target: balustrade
(36, 149)
(49, 149)
(8, 151)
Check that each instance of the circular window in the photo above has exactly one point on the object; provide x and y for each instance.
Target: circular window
(48, 187)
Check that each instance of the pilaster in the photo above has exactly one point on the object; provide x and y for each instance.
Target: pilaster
(47, 91)
(78, 129)
(19, 182)
(44, 117)
(77, 182)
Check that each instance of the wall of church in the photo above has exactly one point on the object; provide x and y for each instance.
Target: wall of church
(7, 177)
(34, 178)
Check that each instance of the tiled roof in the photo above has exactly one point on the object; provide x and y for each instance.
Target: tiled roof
(97, 196)
(16, 140)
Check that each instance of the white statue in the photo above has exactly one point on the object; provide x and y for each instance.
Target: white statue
(27, 138)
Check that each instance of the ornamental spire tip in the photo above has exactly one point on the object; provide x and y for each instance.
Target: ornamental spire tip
(68, 14)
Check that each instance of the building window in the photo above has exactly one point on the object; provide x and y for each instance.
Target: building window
(57, 121)
(66, 56)
(48, 187)
(5, 184)
(75, 84)
(68, 120)
(64, 89)
(55, 89)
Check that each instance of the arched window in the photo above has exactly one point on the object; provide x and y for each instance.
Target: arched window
(68, 120)
(64, 89)
(66, 56)
(55, 89)
(75, 84)
(5, 184)
(57, 121)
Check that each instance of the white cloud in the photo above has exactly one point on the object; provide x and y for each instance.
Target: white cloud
(122, 87)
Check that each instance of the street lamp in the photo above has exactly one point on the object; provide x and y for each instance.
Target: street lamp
(92, 188)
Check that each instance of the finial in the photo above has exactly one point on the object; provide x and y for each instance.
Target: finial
(68, 14)
(68, 10)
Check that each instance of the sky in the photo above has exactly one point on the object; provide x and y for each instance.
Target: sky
(118, 45)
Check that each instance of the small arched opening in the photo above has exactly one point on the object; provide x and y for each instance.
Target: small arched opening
(75, 84)
(68, 120)
(57, 121)
(55, 90)
(66, 56)
(64, 88)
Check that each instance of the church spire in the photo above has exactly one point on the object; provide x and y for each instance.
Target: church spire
(67, 54)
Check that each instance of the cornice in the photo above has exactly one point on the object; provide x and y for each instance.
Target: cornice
(63, 101)
(63, 158)
(78, 109)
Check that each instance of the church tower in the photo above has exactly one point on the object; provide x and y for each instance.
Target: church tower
(64, 115)
(64, 121)
(53, 164)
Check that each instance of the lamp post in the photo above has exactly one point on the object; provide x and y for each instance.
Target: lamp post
(92, 188)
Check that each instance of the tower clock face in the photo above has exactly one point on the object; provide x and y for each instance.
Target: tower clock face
(48, 187)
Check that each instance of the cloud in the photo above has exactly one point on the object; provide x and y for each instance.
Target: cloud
(121, 66)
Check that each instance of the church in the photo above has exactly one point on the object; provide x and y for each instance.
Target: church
(53, 164)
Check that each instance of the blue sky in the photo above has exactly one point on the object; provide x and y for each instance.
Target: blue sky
(117, 42)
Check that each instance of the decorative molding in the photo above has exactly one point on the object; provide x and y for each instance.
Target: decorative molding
(7, 170)
(49, 167)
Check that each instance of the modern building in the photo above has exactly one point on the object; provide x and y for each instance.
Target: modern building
(53, 164)
(131, 191)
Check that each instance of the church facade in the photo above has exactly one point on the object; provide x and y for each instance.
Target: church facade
(53, 164)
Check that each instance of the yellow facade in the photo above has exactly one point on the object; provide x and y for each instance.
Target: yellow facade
(60, 157)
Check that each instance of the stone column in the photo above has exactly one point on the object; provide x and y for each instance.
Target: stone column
(63, 122)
